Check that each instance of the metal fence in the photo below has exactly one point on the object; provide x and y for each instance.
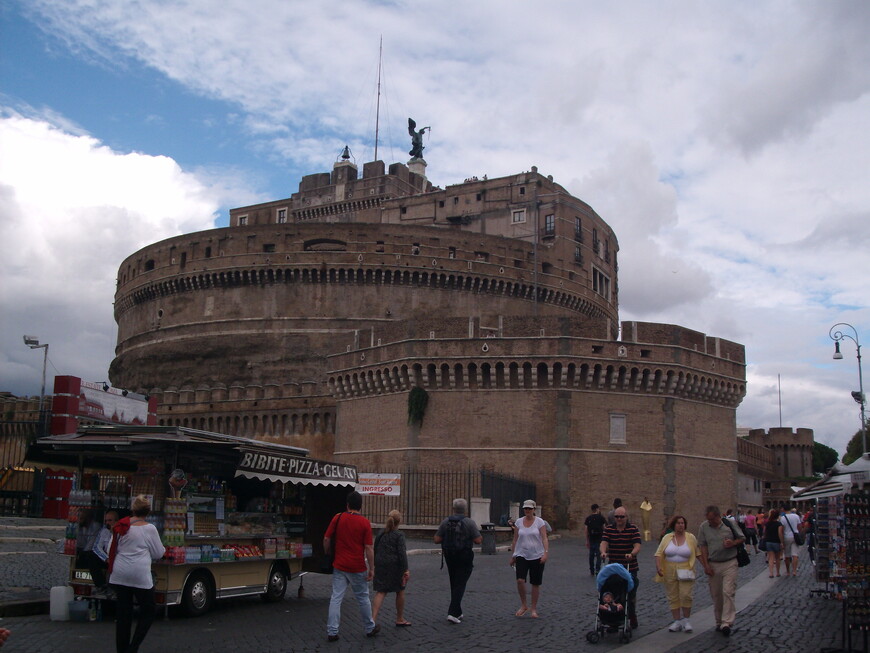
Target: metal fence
(427, 495)
(21, 492)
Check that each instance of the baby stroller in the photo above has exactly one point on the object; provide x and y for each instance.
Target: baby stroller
(614, 579)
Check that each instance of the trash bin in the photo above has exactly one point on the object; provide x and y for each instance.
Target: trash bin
(488, 533)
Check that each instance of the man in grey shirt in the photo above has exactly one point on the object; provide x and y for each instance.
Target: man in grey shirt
(718, 542)
(457, 535)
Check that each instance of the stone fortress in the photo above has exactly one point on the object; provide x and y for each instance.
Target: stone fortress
(309, 320)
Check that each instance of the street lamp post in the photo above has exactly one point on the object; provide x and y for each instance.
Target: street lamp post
(33, 343)
(837, 336)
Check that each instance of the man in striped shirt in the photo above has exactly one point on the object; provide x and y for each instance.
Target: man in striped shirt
(621, 544)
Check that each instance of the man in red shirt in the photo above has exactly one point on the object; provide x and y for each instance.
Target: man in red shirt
(351, 535)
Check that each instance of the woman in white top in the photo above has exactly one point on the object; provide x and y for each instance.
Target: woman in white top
(530, 550)
(135, 543)
(677, 550)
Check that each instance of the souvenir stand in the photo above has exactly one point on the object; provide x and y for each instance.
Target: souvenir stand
(842, 545)
(237, 516)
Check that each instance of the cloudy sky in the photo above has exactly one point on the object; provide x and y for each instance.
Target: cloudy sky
(728, 144)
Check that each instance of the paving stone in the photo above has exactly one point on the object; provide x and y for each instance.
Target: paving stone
(785, 618)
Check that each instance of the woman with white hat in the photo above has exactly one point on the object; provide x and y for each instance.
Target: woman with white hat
(530, 550)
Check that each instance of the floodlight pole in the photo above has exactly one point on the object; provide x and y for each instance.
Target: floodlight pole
(33, 343)
(837, 336)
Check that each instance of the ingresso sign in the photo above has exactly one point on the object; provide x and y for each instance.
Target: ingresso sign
(384, 484)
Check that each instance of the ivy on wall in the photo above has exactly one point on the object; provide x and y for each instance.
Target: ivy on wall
(418, 399)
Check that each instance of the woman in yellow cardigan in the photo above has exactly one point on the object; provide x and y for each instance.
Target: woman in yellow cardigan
(677, 550)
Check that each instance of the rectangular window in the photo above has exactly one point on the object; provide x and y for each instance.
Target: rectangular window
(601, 283)
(451, 252)
(578, 230)
(617, 428)
(522, 190)
(549, 225)
(268, 248)
(243, 220)
(578, 255)
(518, 216)
(379, 246)
(596, 245)
(441, 204)
(282, 216)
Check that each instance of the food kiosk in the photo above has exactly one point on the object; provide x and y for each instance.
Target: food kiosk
(238, 517)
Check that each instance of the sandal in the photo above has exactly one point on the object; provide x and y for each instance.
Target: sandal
(521, 612)
(402, 624)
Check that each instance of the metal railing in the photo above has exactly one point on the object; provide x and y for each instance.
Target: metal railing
(427, 495)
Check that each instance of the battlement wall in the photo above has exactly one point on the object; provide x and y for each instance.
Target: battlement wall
(534, 363)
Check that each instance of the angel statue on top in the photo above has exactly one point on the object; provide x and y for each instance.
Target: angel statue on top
(416, 150)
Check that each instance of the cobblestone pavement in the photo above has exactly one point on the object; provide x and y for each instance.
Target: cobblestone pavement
(29, 564)
(783, 618)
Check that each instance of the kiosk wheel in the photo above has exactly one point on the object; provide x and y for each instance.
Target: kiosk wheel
(198, 594)
(276, 586)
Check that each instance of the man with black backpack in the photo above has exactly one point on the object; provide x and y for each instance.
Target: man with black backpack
(594, 524)
(457, 535)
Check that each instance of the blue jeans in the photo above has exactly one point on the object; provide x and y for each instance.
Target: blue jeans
(360, 587)
(594, 556)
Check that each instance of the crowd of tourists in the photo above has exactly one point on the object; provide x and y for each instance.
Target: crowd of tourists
(720, 545)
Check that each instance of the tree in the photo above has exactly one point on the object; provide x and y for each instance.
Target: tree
(853, 449)
(823, 458)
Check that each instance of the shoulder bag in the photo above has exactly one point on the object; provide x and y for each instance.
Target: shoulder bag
(329, 556)
(798, 537)
(743, 558)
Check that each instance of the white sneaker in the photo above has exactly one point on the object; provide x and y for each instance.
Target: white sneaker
(453, 620)
(687, 627)
(676, 627)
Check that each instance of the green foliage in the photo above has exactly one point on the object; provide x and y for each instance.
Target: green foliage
(853, 449)
(418, 399)
(823, 458)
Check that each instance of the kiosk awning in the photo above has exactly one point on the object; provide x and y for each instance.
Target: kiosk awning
(273, 466)
(832, 488)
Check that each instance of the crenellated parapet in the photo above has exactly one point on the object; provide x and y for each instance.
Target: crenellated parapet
(542, 363)
(792, 449)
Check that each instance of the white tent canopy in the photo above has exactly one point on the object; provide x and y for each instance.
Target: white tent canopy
(839, 480)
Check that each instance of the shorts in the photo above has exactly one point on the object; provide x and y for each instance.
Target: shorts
(533, 568)
(751, 536)
(791, 549)
(772, 547)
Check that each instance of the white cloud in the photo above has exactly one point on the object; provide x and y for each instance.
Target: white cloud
(727, 145)
(71, 210)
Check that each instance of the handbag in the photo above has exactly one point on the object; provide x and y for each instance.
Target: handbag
(799, 538)
(743, 558)
(329, 556)
(685, 574)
